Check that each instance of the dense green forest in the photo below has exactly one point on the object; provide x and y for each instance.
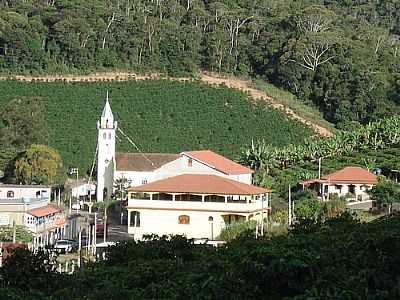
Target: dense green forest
(340, 56)
(159, 116)
(337, 259)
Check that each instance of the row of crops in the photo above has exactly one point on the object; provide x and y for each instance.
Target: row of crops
(160, 116)
(382, 134)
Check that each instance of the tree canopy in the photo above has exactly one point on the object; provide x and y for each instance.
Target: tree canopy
(38, 164)
(341, 56)
(337, 259)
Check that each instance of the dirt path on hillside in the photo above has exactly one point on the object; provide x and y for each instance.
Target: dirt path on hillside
(209, 78)
(245, 86)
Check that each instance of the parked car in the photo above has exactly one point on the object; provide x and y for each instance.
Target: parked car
(76, 206)
(66, 246)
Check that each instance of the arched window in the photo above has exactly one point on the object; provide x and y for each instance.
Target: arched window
(183, 219)
(10, 194)
(109, 135)
(104, 135)
(135, 219)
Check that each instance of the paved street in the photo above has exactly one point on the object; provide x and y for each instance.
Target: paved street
(118, 233)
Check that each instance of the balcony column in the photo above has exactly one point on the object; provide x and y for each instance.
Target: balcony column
(129, 218)
(203, 198)
(173, 197)
(226, 198)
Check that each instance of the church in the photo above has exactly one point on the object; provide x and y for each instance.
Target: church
(194, 193)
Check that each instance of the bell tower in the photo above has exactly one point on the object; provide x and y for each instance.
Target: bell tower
(106, 128)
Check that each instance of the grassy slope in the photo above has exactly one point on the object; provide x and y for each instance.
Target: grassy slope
(289, 100)
(160, 116)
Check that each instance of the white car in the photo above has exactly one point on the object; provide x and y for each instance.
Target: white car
(65, 246)
(76, 206)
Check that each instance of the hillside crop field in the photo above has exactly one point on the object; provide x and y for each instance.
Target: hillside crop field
(159, 116)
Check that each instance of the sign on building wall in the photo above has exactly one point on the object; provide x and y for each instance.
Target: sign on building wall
(4, 219)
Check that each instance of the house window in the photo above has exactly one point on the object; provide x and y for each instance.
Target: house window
(38, 194)
(109, 136)
(183, 219)
(10, 194)
(190, 162)
(144, 181)
(135, 219)
(104, 135)
(352, 189)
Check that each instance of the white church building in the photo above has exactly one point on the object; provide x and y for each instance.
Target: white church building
(194, 193)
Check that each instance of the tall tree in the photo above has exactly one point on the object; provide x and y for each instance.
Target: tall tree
(38, 165)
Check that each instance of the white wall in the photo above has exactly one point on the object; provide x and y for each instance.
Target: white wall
(181, 166)
(83, 190)
(174, 168)
(166, 222)
(25, 191)
(359, 191)
(105, 160)
(136, 178)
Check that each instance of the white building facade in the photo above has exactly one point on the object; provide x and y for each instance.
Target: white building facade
(193, 193)
(29, 206)
(195, 205)
(142, 168)
(106, 128)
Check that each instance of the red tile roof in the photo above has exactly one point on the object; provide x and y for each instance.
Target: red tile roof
(200, 184)
(356, 175)
(218, 162)
(142, 161)
(44, 211)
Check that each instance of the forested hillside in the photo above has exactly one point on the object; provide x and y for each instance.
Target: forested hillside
(341, 56)
(159, 116)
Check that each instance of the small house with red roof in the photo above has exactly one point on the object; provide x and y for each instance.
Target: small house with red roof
(349, 182)
(29, 206)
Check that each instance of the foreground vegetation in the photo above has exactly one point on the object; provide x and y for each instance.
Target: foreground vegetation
(160, 116)
(338, 259)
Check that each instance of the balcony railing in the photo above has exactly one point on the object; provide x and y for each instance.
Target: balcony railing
(228, 206)
(47, 225)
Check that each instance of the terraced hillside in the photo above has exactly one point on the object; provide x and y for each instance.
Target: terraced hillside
(159, 115)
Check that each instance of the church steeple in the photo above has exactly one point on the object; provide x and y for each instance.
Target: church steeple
(106, 127)
(107, 117)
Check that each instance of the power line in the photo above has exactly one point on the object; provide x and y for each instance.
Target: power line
(92, 168)
(136, 147)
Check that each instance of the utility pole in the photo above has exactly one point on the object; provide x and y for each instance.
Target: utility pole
(14, 233)
(95, 234)
(262, 215)
(319, 167)
(268, 200)
(105, 223)
(80, 248)
(290, 207)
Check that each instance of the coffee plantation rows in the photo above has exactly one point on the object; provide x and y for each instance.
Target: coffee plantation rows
(160, 116)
